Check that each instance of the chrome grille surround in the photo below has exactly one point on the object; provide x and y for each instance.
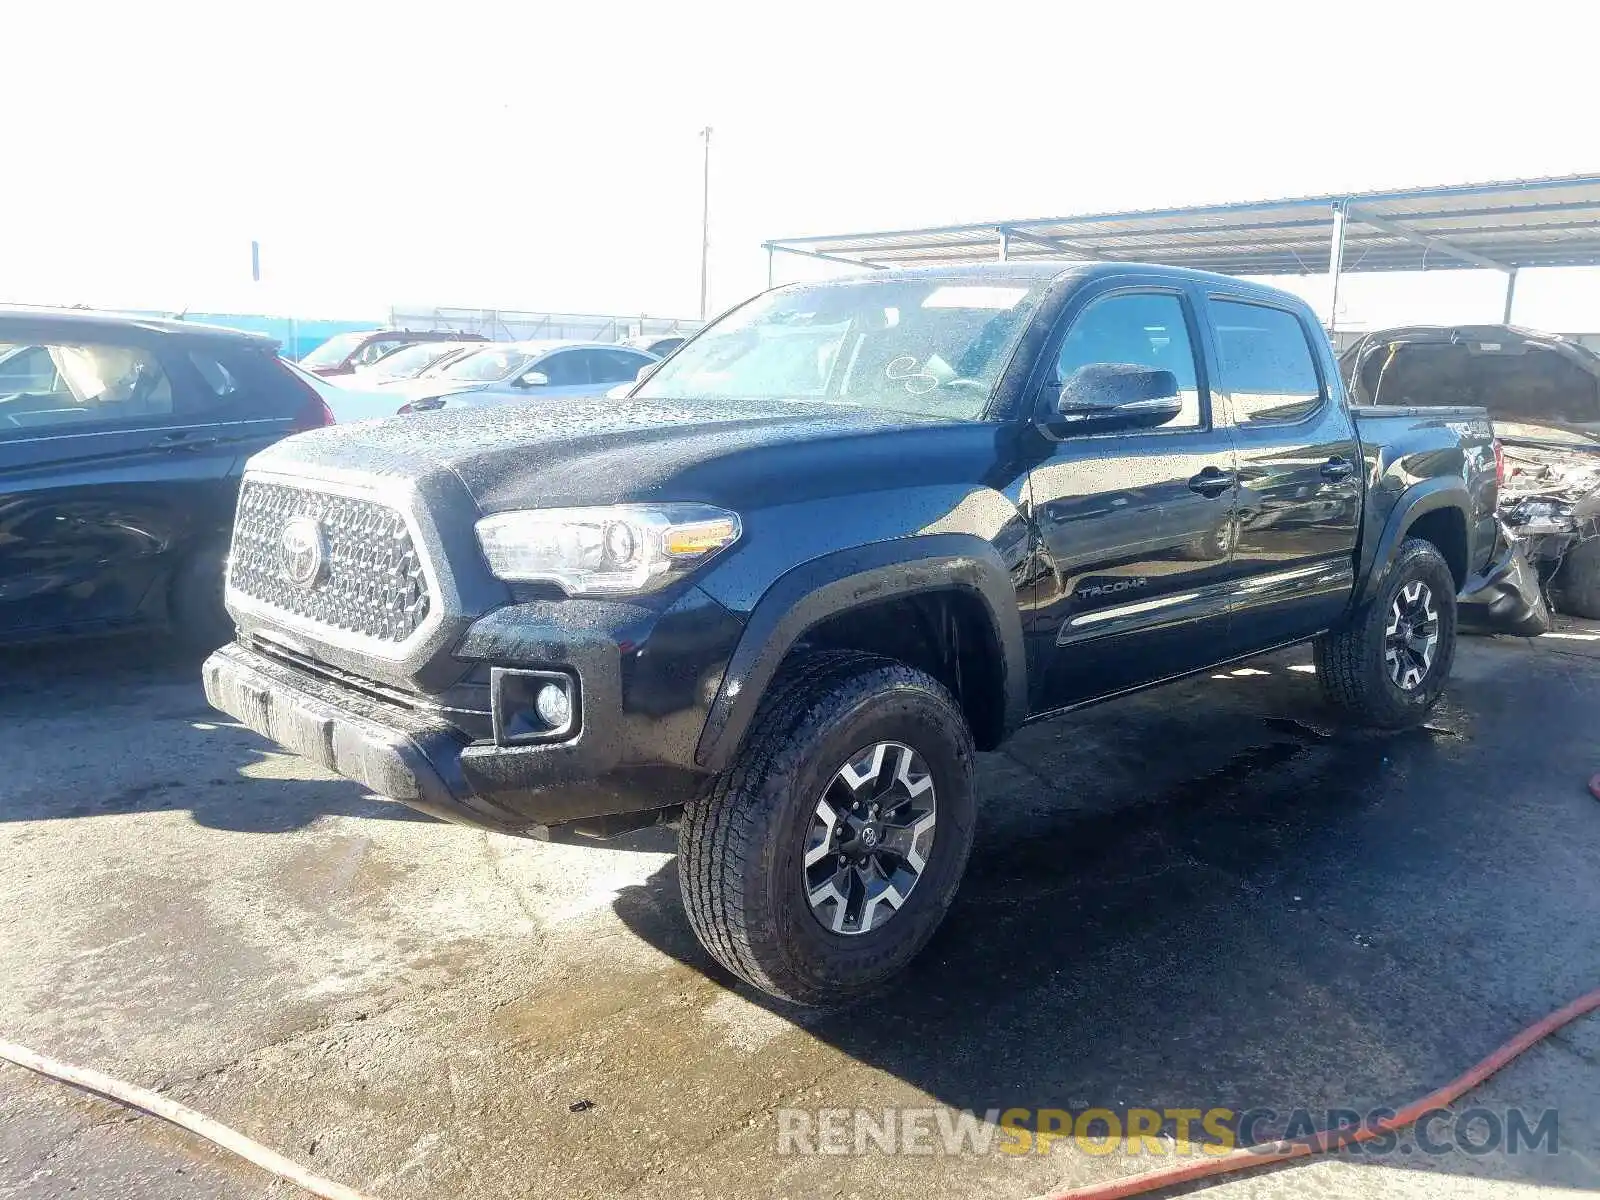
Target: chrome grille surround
(374, 592)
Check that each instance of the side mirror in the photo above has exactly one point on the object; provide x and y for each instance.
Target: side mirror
(533, 379)
(645, 372)
(1105, 397)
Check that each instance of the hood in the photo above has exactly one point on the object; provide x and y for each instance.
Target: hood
(1525, 379)
(596, 450)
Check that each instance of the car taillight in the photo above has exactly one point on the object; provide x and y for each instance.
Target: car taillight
(1499, 464)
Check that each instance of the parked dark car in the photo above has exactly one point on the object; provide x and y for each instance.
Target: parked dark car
(1543, 394)
(345, 353)
(121, 446)
(847, 535)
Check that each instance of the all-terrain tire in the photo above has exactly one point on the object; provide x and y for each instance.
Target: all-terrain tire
(197, 617)
(1350, 660)
(741, 847)
(1575, 589)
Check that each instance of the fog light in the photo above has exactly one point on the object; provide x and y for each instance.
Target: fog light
(554, 706)
(532, 706)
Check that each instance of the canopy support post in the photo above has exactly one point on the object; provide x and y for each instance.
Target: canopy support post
(1335, 263)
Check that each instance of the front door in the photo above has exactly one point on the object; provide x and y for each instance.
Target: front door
(1299, 473)
(1136, 529)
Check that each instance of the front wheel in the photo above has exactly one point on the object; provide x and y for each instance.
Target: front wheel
(819, 864)
(1388, 665)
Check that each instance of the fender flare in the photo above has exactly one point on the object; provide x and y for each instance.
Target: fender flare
(823, 587)
(1417, 500)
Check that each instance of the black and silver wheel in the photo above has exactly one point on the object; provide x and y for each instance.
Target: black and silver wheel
(1411, 639)
(1388, 664)
(870, 837)
(819, 864)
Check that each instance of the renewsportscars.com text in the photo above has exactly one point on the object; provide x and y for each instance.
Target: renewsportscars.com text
(1166, 1132)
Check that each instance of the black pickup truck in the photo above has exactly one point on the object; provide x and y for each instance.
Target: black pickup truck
(847, 535)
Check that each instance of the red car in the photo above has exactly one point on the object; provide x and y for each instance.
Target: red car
(344, 352)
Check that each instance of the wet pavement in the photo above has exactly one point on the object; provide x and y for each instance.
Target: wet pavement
(1207, 896)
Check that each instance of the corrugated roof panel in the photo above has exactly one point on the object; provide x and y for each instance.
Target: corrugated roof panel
(1533, 222)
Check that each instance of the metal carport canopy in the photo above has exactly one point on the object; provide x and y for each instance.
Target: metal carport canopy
(1552, 222)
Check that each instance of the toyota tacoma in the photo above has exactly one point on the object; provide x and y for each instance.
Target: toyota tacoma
(847, 535)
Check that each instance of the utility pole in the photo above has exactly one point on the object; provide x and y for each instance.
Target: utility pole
(705, 219)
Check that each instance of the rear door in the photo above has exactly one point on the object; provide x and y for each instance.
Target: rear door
(1300, 481)
(1136, 527)
(120, 462)
(607, 368)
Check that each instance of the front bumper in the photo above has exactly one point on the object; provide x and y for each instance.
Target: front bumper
(620, 762)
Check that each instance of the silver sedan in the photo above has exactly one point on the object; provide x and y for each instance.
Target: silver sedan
(524, 372)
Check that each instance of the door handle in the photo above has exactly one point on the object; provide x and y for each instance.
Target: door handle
(183, 441)
(1337, 468)
(1212, 482)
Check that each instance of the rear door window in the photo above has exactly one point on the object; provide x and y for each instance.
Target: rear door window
(1267, 366)
(615, 366)
(220, 383)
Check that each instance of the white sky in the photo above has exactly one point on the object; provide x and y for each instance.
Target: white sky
(545, 156)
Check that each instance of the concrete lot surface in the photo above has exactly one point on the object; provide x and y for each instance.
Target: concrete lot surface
(1204, 896)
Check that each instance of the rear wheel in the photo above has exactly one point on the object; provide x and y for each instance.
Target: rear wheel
(821, 863)
(1576, 586)
(1388, 665)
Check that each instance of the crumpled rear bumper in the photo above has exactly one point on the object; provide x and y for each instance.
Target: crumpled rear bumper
(1506, 597)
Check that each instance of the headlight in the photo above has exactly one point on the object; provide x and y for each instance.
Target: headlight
(614, 551)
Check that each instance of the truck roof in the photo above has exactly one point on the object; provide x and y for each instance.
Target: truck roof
(1034, 272)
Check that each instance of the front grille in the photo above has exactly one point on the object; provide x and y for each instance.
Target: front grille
(370, 581)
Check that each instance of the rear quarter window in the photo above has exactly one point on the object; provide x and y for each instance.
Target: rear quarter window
(241, 382)
(1267, 367)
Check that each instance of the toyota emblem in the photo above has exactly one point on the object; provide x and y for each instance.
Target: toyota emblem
(303, 550)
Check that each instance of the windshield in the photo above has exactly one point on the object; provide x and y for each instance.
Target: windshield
(335, 350)
(488, 366)
(930, 346)
(410, 360)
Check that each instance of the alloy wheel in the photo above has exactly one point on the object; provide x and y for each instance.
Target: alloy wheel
(869, 839)
(1412, 636)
